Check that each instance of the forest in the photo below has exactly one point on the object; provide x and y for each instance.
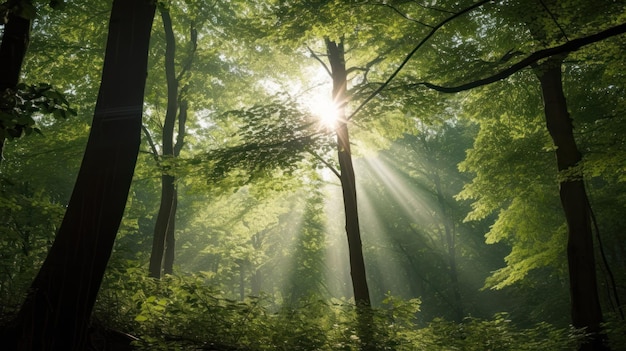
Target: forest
(324, 175)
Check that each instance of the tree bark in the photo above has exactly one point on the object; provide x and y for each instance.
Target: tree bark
(15, 42)
(55, 315)
(164, 239)
(170, 238)
(162, 225)
(166, 213)
(585, 305)
(348, 186)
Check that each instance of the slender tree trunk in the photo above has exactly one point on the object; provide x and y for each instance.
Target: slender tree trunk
(12, 51)
(170, 238)
(162, 225)
(348, 187)
(585, 305)
(164, 217)
(55, 315)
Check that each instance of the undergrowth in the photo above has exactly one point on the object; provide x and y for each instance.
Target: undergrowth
(183, 313)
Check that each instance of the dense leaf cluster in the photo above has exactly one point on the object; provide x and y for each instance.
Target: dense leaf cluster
(20, 107)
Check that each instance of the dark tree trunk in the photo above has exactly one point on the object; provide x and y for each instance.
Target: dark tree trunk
(585, 305)
(164, 240)
(348, 187)
(12, 51)
(55, 315)
(170, 238)
(162, 226)
(166, 209)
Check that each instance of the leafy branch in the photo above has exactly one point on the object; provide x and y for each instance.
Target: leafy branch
(271, 136)
(19, 105)
(531, 59)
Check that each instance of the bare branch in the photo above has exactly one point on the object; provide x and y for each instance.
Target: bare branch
(568, 47)
(554, 19)
(367, 65)
(154, 153)
(315, 56)
(326, 163)
(419, 45)
(404, 15)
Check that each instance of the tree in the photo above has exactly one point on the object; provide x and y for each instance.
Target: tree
(163, 245)
(586, 311)
(55, 315)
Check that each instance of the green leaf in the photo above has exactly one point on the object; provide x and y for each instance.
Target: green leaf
(141, 318)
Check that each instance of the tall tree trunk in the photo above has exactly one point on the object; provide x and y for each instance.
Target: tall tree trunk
(162, 225)
(585, 305)
(170, 238)
(348, 186)
(166, 213)
(12, 51)
(55, 315)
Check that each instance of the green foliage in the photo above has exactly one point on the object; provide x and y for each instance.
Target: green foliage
(497, 334)
(180, 313)
(270, 136)
(30, 217)
(20, 107)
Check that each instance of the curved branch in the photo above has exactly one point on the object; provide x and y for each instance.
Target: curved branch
(315, 56)
(556, 22)
(419, 45)
(405, 16)
(153, 148)
(570, 46)
(326, 163)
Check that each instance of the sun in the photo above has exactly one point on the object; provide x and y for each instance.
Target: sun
(324, 109)
(316, 97)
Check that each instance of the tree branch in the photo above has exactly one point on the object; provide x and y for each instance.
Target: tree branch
(326, 163)
(556, 22)
(368, 65)
(403, 15)
(193, 39)
(419, 45)
(315, 56)
(570, 46)
(154, 153)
